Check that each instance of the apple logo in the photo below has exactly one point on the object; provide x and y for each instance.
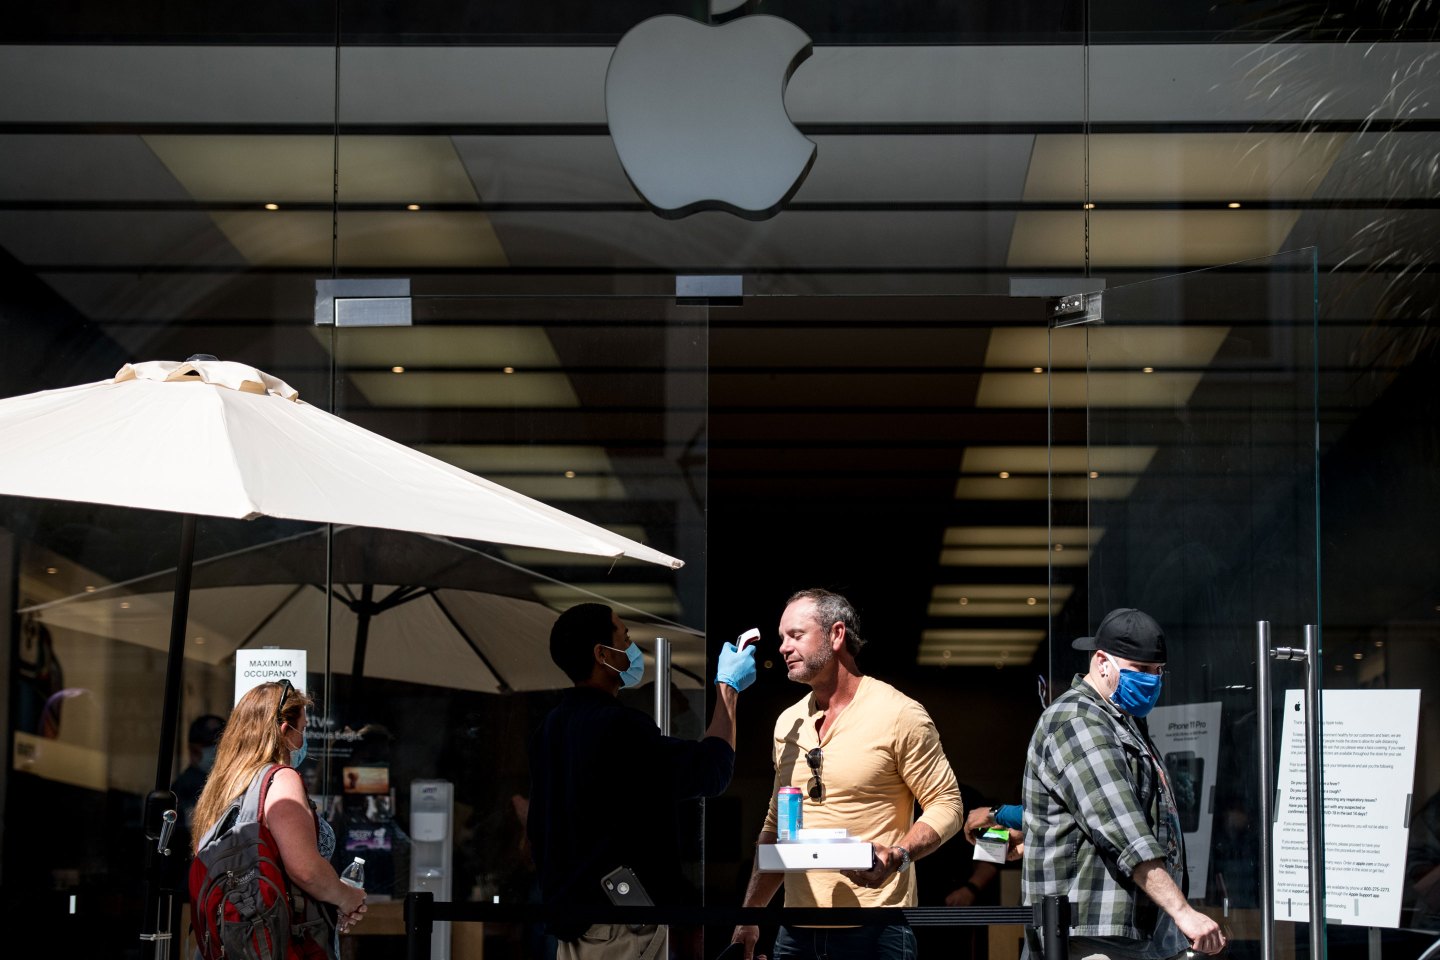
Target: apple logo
(697, 113)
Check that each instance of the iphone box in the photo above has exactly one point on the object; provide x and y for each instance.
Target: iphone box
(992, 845)
(832, 855)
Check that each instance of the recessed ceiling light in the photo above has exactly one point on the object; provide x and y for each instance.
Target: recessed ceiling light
(1089, 206)
(1358, 656)
(1059, 547)
(397, 369)
(1030, 601)
(57, 570)
(200, 640)
(272, 206)
(1379, 643)
(1004, 474)
(1094, 474)
(964, 600)
(1338, 668)
(1147, 370)
(508, 370)
(1233, 205)
(89, 589)
(1037, 370)
(124, 604)
(412, 206)
(569, 474)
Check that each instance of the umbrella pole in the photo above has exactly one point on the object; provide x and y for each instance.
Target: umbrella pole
(161, 870)
(174, 666)
(363, 612)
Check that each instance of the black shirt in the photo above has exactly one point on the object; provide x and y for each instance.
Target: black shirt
(604, 790)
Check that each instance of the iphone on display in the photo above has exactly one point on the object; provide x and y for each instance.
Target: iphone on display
(1186, 773)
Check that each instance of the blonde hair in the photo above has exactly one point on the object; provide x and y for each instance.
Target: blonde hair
(252, 739)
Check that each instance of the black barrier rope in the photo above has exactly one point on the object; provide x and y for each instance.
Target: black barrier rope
(422, 911)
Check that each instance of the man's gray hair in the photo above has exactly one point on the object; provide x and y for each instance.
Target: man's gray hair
(832, 608)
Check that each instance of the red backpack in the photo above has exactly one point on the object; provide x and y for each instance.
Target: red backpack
(244, 907)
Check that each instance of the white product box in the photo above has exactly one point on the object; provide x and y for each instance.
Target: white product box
(842, 855)
(993, 845)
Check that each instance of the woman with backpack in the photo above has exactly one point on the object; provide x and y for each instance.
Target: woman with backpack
(254, 811)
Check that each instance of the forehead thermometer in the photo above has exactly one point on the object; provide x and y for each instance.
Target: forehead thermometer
(747, 637)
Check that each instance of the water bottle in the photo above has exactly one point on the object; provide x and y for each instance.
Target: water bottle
(354, 874)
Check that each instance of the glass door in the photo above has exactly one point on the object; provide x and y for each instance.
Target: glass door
(1195, 499)
(439, 664)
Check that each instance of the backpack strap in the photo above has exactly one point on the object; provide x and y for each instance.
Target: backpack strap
(311, 918)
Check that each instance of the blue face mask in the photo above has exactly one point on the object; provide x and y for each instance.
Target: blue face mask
(298, 757)
(635, 672)
(1137, 693)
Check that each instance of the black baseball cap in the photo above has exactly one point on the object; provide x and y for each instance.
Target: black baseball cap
(1129, 633)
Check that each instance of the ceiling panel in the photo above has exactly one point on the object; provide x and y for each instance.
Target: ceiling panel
(298, 168)
(393, 241)
(1171, 167)
(808, 239)
(1168, 239)
(87, 238)
(83, 167)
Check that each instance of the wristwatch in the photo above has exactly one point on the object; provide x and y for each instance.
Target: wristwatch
(904, 859)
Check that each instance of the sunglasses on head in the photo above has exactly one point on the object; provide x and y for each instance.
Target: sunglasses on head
(816, 787)
(286, 688)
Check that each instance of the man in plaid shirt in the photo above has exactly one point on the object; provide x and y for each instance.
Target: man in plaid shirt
(1100, 817)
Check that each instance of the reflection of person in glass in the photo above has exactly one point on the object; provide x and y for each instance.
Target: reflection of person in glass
(1101, 822)
(204, 740)
(593, 756)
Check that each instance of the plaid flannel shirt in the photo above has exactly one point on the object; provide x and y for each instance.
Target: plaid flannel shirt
(1097, 805)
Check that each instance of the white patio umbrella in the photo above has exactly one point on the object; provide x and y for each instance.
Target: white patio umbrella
(223, 439)
(403, 606)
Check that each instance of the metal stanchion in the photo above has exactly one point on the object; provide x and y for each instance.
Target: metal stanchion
(419, 925)
(1052, 916)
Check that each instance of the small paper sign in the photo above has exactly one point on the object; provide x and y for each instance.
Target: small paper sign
(254, 667)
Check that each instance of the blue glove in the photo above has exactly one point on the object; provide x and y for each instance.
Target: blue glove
(736, 667)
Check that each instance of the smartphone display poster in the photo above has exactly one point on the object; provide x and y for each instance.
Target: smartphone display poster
(1188, 738)
(1367, 755)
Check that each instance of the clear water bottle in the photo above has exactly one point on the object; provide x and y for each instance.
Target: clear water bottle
(354, 874)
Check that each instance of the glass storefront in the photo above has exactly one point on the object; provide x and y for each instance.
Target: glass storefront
(417, 217)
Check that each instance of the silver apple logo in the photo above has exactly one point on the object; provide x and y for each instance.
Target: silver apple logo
(697, 114)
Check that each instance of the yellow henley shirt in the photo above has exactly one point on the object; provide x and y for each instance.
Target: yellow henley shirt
(881, 756)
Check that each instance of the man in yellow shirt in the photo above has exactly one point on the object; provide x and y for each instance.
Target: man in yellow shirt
(863, 754)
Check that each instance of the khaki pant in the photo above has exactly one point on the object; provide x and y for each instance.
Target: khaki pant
(615, 941)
